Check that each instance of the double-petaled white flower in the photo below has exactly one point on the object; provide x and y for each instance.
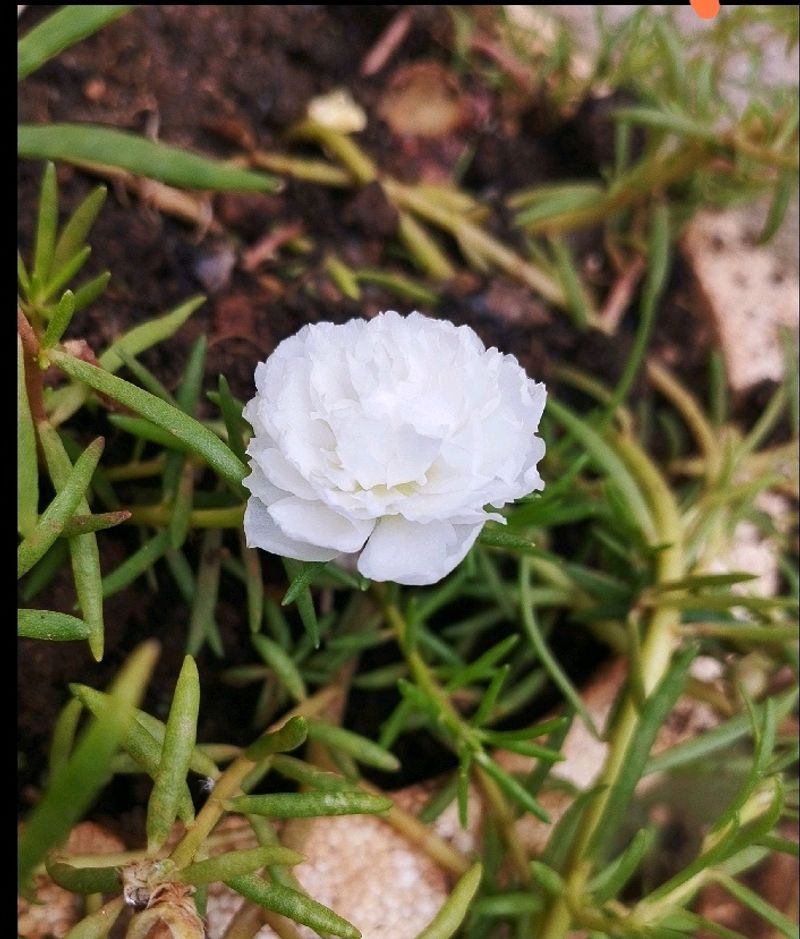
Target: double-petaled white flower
(388, 437)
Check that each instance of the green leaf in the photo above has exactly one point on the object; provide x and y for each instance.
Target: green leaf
(658, 261)
(764, 725)
(455, 908)
(232, 416)
(308, 616)
(651, 717)
(496, 537)
(548, 878)
(202, 625)
(360, 748)
(607, 459)
(135, 564)
(302, 579)
(60, 320)
(82, 524)
(98, 702)
(83, 548)
(307, 775)
(144, 376)
(673, 121)
(720, 738)
(484, 666)
(181, 494)
(84, 879)
(27, 463)
(292, 904)
(284, 668)
(547, 203)
(72, 790)
(45, 229)
(61, 30)
(63, 737)
(703, 580)
(251, 561)
(513, 789)
(760, 906)
(50, 625)
(146, 430)
(548, 660)
(787, 182)
(199, 438)
(89, 143)
(141, 745)
(61, 276)
(673, 57)
(486, 706)
(304, 600)
(310, 804)
(577, 302)
(236, 863)
(510, 904)
(23, 276)
(523, 747)
(60, 510)
(149, 334)
(618, 872)
(73, 235)
(45, 571)
(288, 737)
(555, 741)
(562, 839)
(98, 924)
(176, 755)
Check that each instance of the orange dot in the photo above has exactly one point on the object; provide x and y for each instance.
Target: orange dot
(705, 9)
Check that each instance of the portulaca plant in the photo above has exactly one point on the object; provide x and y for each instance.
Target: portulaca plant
(388, 438)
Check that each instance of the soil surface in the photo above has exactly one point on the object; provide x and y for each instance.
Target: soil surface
(223, 80)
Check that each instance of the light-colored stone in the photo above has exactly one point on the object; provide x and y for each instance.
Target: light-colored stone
(55, 911)
(747, 291)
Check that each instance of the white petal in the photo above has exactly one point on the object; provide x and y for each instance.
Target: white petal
(280, 472)
(262, 532)
(317, 524)
(261, 487)
(415, 553)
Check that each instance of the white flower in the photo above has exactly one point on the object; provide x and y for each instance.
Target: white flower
(388, 437)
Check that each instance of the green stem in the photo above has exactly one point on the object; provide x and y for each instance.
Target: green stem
(229, 783)
(158, 516)
(460, 730)
(656, 654)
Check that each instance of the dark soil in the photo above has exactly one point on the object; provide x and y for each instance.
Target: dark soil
(218, 79)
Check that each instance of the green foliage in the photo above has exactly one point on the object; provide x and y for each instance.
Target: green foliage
(58, 32)
(619, 551)
(73, 788)
(105, 146)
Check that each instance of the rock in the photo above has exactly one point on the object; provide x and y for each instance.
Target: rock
(747, 290)
(56, 910)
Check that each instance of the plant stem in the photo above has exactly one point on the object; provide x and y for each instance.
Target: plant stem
(461, 731)
(656, 654)
(136, 469)
(33, 374)
(229, 783)
(159, 516)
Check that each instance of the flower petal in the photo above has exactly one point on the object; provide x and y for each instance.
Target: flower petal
(314, 521)
(262, 532)
(415, 553)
